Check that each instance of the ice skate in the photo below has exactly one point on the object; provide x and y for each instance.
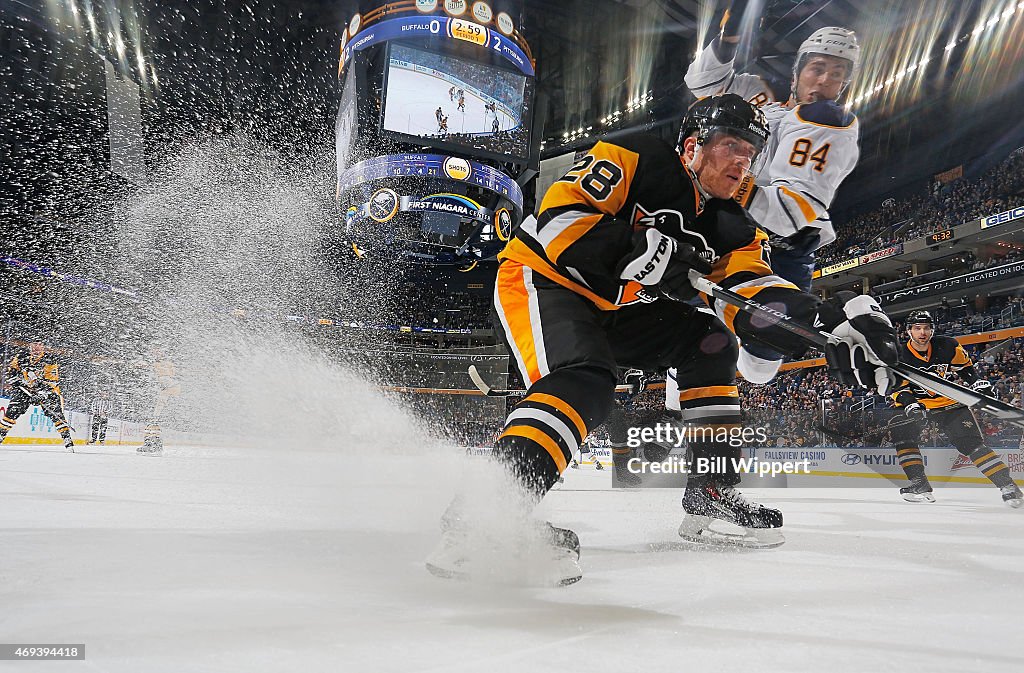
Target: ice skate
(151, 446)
(919, 491)
(721, 515)
(1012, 495)
(597, 464)
(623, 477)
(549, 557)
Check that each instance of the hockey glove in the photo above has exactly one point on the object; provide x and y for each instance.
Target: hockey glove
(676, 283)
(982, 386)
(732, 18)
(916, 411)
(636, 379)
(660, 261)
(647, 262)
(865, 341)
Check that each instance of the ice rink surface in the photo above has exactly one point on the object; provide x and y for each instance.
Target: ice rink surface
(413, 98)
(293, 560)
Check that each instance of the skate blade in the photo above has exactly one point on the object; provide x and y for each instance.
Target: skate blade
(465, 576)
(1015, 503)
(918, 497)
(697, 529)
(555, 570)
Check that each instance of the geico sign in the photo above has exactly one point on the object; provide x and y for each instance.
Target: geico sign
(1003, 217)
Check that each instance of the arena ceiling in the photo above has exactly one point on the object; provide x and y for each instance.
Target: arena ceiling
(597, 57)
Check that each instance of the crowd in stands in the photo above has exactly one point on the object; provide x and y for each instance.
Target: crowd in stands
(426, 307)
(945, 206)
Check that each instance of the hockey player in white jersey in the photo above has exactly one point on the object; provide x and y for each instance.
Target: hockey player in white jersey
(812, 148)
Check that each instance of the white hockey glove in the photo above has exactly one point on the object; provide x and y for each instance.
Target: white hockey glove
(916, 411)
(650, 257)
(982, 386)
(865, 341)
(658, 260)
(636, 379)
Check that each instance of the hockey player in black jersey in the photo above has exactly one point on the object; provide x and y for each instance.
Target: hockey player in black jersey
(600, 280)
(35, 377)
(942, 355)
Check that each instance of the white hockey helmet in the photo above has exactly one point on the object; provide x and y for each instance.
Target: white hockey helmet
(831, 41)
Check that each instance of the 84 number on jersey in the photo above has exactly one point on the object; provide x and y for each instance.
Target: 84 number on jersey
(599, 181)
(801, 154)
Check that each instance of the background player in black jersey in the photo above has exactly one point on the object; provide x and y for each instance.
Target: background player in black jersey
(600, 280)
(942, 355)
(35, 376)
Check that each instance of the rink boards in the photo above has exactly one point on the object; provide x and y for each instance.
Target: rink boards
(33, 427)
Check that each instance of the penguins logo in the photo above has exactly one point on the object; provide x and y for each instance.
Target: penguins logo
(671, 223)
(383, 205)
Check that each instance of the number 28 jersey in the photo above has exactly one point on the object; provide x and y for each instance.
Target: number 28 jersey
(587, 220)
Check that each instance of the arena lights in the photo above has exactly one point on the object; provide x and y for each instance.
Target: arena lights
(983, 26)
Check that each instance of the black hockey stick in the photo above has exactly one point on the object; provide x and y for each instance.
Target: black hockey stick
(487, 390)
(42, 401)
(934, 383)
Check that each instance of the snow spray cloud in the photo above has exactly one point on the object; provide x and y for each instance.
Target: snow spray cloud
(224, 227)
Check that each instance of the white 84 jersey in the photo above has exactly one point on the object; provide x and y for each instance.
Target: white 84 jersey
(811, 150)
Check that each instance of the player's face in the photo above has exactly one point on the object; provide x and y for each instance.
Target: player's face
(36, 349)
(822, 78)
(921, 333)
(720, 164)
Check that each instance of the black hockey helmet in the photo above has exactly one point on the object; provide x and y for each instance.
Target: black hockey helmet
(919, 317)
(725, 113)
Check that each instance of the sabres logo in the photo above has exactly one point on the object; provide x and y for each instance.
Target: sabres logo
(671, 223)
(383, 205)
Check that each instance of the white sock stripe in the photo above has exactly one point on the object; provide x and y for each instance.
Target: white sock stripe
(538, 331)
(671, 390)
(711, 410)
(548, 419)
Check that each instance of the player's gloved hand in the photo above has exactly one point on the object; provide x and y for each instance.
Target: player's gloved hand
(915, 411)
(865, 341)
(732, 18)
(636, 379)
(982, 386)
(676, 281)
(802, 242)
(31, 378)
(647, 262)
(660, 260)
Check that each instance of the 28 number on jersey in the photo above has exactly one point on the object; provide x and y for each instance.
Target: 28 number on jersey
(599, 181)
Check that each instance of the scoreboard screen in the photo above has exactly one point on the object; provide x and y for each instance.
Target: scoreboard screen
(476, 105)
